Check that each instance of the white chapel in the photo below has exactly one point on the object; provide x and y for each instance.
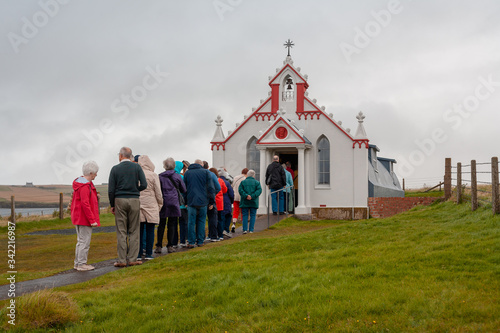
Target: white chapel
(336, 170)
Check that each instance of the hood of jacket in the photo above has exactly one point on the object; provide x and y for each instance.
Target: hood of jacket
(80, 182)
(276, 165)
(193, 166)
(178, 167)
(166, 173)
(146, 163)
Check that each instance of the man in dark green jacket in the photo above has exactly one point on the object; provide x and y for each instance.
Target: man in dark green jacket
(249, 190)
(126, 181)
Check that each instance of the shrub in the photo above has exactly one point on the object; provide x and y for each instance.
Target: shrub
(44, 309)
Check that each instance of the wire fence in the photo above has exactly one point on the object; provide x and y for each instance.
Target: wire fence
(461, 182)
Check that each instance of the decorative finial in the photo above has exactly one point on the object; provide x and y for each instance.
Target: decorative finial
(289, 44)
(360, 117)
(219, 120)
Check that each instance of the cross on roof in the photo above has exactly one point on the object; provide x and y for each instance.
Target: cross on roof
(360, 117)
(289, 44)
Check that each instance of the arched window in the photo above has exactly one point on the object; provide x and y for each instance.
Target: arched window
(288, 88)
(323, 161)
(253, 157)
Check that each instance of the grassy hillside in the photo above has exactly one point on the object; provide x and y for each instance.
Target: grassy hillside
(435, 268)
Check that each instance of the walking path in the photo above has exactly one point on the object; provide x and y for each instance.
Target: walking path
(72, 276)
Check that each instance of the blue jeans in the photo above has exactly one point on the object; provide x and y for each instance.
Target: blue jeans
(196, 224)
(274, 203)
(244, 217)
(147, 233)
(183, 225)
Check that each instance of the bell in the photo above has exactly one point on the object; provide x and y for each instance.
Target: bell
(289, 87)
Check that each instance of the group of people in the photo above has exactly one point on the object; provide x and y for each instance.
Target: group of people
(181, 199)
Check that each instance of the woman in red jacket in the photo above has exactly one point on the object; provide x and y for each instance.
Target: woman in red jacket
(84, 213)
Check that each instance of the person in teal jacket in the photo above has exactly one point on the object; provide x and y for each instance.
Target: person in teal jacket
(249, 190)
(289, 202)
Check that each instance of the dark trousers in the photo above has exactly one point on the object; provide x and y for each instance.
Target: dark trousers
(160, 232)
(183, 225)
(212, 222)
(228, 217)
(172, 233)
(147, 233)
(220, 223)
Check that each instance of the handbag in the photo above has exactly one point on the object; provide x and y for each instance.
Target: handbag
(182, 202)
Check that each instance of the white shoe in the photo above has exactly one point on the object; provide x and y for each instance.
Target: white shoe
(244, 232)
(227, 234)
(84, 268)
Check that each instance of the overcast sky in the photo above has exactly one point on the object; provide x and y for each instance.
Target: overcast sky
(80, 79)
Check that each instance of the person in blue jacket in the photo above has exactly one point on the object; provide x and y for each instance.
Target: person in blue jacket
(200, 188)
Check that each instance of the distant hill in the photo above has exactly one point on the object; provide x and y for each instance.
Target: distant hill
(42, 195)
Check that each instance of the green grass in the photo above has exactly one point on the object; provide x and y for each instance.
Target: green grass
(4, 188)
(425, 194)
(431, 269)
(434, 269)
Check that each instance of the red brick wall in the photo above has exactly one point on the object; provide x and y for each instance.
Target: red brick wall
(385, 207)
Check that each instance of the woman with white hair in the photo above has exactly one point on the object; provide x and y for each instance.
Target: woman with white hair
(84, 213)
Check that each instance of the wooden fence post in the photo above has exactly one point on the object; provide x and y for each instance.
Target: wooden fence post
(61, 211)
(459, 183)
(13, 209)
(403, 184)
(494, 185)
(473, 179)
(447, 178)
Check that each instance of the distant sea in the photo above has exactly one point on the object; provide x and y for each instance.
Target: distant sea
(28, 211)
